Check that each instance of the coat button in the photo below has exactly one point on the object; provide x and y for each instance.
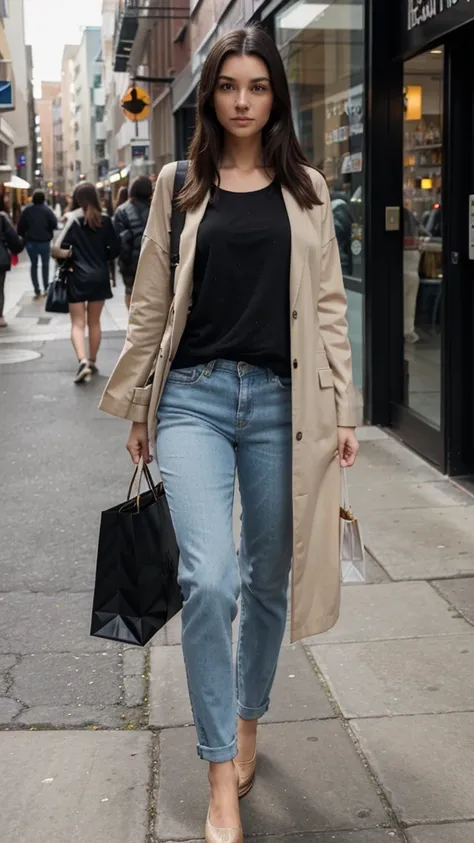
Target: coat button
(295, 314)
(299, 436)
(295, 364)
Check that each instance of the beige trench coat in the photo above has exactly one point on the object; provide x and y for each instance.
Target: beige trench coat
(322, 392)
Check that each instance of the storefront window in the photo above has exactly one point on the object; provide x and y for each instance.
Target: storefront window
(322, 45)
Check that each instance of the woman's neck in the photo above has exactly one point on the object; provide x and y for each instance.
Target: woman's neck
(244, 154)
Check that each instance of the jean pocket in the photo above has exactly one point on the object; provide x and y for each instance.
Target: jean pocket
(283, 383)
(189, 375)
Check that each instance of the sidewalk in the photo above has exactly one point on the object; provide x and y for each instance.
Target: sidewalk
(27, 320)
(370, 737)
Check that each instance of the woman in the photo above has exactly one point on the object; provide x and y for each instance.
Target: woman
(10, 243)
(253, 373)
(88, 241)
(130, 222)
(122, 197)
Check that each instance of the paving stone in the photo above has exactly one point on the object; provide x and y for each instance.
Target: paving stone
(384, 835)
(55, 623)
(8, 710)
(297, 693)
(67, 679)
(393, 610)
(399, 494)
(168, 691)
(68, 716)
(309, 779)
(6, 662)
(410, 547)
(74, 786)
(451, 833)
(381, 462)
(411, 676)
(424, 764)
(459, 592)
(368, 433)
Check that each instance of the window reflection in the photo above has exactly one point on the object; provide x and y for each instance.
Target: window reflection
(322, 45)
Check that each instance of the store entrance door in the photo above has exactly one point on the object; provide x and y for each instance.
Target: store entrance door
(435, 415)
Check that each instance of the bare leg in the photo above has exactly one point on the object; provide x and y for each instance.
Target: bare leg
(94, 309)
(246, 739)
(127, 301)
(77, 312)
(224, 809)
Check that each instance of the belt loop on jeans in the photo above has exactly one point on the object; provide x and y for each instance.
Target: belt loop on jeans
(209, 368)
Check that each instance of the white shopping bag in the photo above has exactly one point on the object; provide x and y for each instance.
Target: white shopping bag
(351, 545)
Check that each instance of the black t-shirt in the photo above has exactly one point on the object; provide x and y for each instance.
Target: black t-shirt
(240, 302)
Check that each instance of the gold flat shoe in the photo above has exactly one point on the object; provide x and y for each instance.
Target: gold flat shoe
(222, 835)
(246, 771)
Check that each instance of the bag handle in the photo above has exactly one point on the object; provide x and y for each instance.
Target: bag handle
(140, 470)
(346, 506)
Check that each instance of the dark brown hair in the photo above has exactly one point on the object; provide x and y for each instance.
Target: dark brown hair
(85, 196)
(122, 196)
(141, 189)
(281, 149)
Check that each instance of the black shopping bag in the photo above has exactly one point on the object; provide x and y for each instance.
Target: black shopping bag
(57, 298)
(136, 585)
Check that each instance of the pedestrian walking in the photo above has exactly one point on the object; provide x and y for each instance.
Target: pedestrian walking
(252, 375)
(88, 242)
(130, 222)
(10, 244)
(36, 226)
(108, 208)
(122, 197)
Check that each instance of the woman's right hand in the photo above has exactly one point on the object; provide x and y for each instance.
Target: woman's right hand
(138, 445)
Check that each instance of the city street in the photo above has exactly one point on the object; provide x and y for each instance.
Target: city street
(370, 737)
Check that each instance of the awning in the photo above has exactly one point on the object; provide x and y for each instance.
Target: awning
(17, 183)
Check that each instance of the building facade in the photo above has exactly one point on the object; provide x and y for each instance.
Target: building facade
(59, 180)
(19, 118)
(68, 116)
(85, 71)
(45, 133)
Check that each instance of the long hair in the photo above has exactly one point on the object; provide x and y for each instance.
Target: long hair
(281, 149)
(122, 197)
(85, 196)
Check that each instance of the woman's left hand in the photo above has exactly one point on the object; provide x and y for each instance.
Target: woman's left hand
(347, 446)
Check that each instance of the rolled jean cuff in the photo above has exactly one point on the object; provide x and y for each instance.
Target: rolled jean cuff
(252, 713)
(218, 754)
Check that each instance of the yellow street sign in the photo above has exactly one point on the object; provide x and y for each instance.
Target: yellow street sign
(136, 104)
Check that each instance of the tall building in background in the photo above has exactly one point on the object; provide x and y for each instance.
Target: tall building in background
(68, 104)
(86, 78)
(59, 183)
(7, 100)
(14, 24)
(44, 113)
(31, 167)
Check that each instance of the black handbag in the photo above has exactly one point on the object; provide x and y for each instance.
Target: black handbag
(57, 298)
(136, 585)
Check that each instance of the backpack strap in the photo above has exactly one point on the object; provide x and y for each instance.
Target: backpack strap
(178, 219)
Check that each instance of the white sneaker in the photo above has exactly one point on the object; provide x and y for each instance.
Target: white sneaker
(412, 337)
(83, 373)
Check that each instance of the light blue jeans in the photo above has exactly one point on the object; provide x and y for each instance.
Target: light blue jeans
(214, 420)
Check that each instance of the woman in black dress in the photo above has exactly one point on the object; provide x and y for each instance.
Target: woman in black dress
(88, 242)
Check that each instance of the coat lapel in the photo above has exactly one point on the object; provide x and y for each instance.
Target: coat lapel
(300, 237)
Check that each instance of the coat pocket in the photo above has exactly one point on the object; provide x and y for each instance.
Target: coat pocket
(142, 395)
(326, 379)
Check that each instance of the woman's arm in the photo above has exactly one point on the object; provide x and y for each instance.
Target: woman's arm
(62, 248)
(151, 299)
(332, 306)
(112, 240)
(14, 242)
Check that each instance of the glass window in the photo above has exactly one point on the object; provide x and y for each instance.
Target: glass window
(423, 233)
(322, 45)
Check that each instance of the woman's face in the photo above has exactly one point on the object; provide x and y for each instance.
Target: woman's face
(243, 97)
